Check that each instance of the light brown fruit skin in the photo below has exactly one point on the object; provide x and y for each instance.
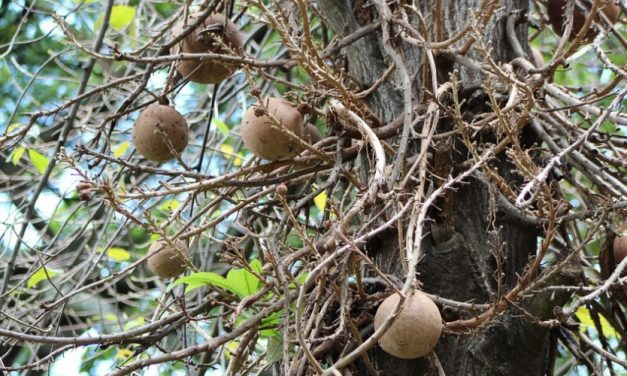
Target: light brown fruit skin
(416, 330)
(166, 261)
(619, 247)
(207, 71)
(266, 141)
(149, 142)
(311, 134)
(557, 13)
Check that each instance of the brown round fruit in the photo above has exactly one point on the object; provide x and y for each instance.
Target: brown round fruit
(415, 331)
(204, 39)
(166, 262)
(556, 10)
(156, 123)
(620, 247)
(264, 137)
(312, 134)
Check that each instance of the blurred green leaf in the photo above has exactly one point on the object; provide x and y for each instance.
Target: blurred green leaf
(256, 266)
(221, 126)
(165, 9)
(124, 354)
(294, 241)
(117, 254)
(274, 351)
(170, 205)
(121, 17)
(17, 155)
(586, 322)
(41, 274)
(300, 280)
(134, 323)
(13, 127)
(121, 149)
(229, 152)
(139, 235)
(39, 160)
(321, 201)
(270, 324)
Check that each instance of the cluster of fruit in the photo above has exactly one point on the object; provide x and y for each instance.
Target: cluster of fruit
(160, 130)
(267, 129)
(270, 129)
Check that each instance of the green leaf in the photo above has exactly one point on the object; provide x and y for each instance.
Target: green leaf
(303, 278)
(108, 317)
(39, 160)
(301, 74)
(274, 351)
(256, 266)
(121, 17)
(170, 205)
(242, 282)
(321, 201)
(134, 323)
(196, 280)
(17, 155)
(13, 127)
(117, 254)
(300, 280)
(586, 322)
(231, 348)
(121, 149)
(39, 276)
(294, 241)
(222, 127)
(124, 354)
(270, 324)
(229, 153)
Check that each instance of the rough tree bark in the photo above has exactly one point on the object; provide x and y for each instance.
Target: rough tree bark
(462, 241)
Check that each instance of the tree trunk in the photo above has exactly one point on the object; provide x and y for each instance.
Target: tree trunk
(463, 244)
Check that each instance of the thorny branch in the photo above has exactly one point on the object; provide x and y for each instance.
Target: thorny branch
(298, 230)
